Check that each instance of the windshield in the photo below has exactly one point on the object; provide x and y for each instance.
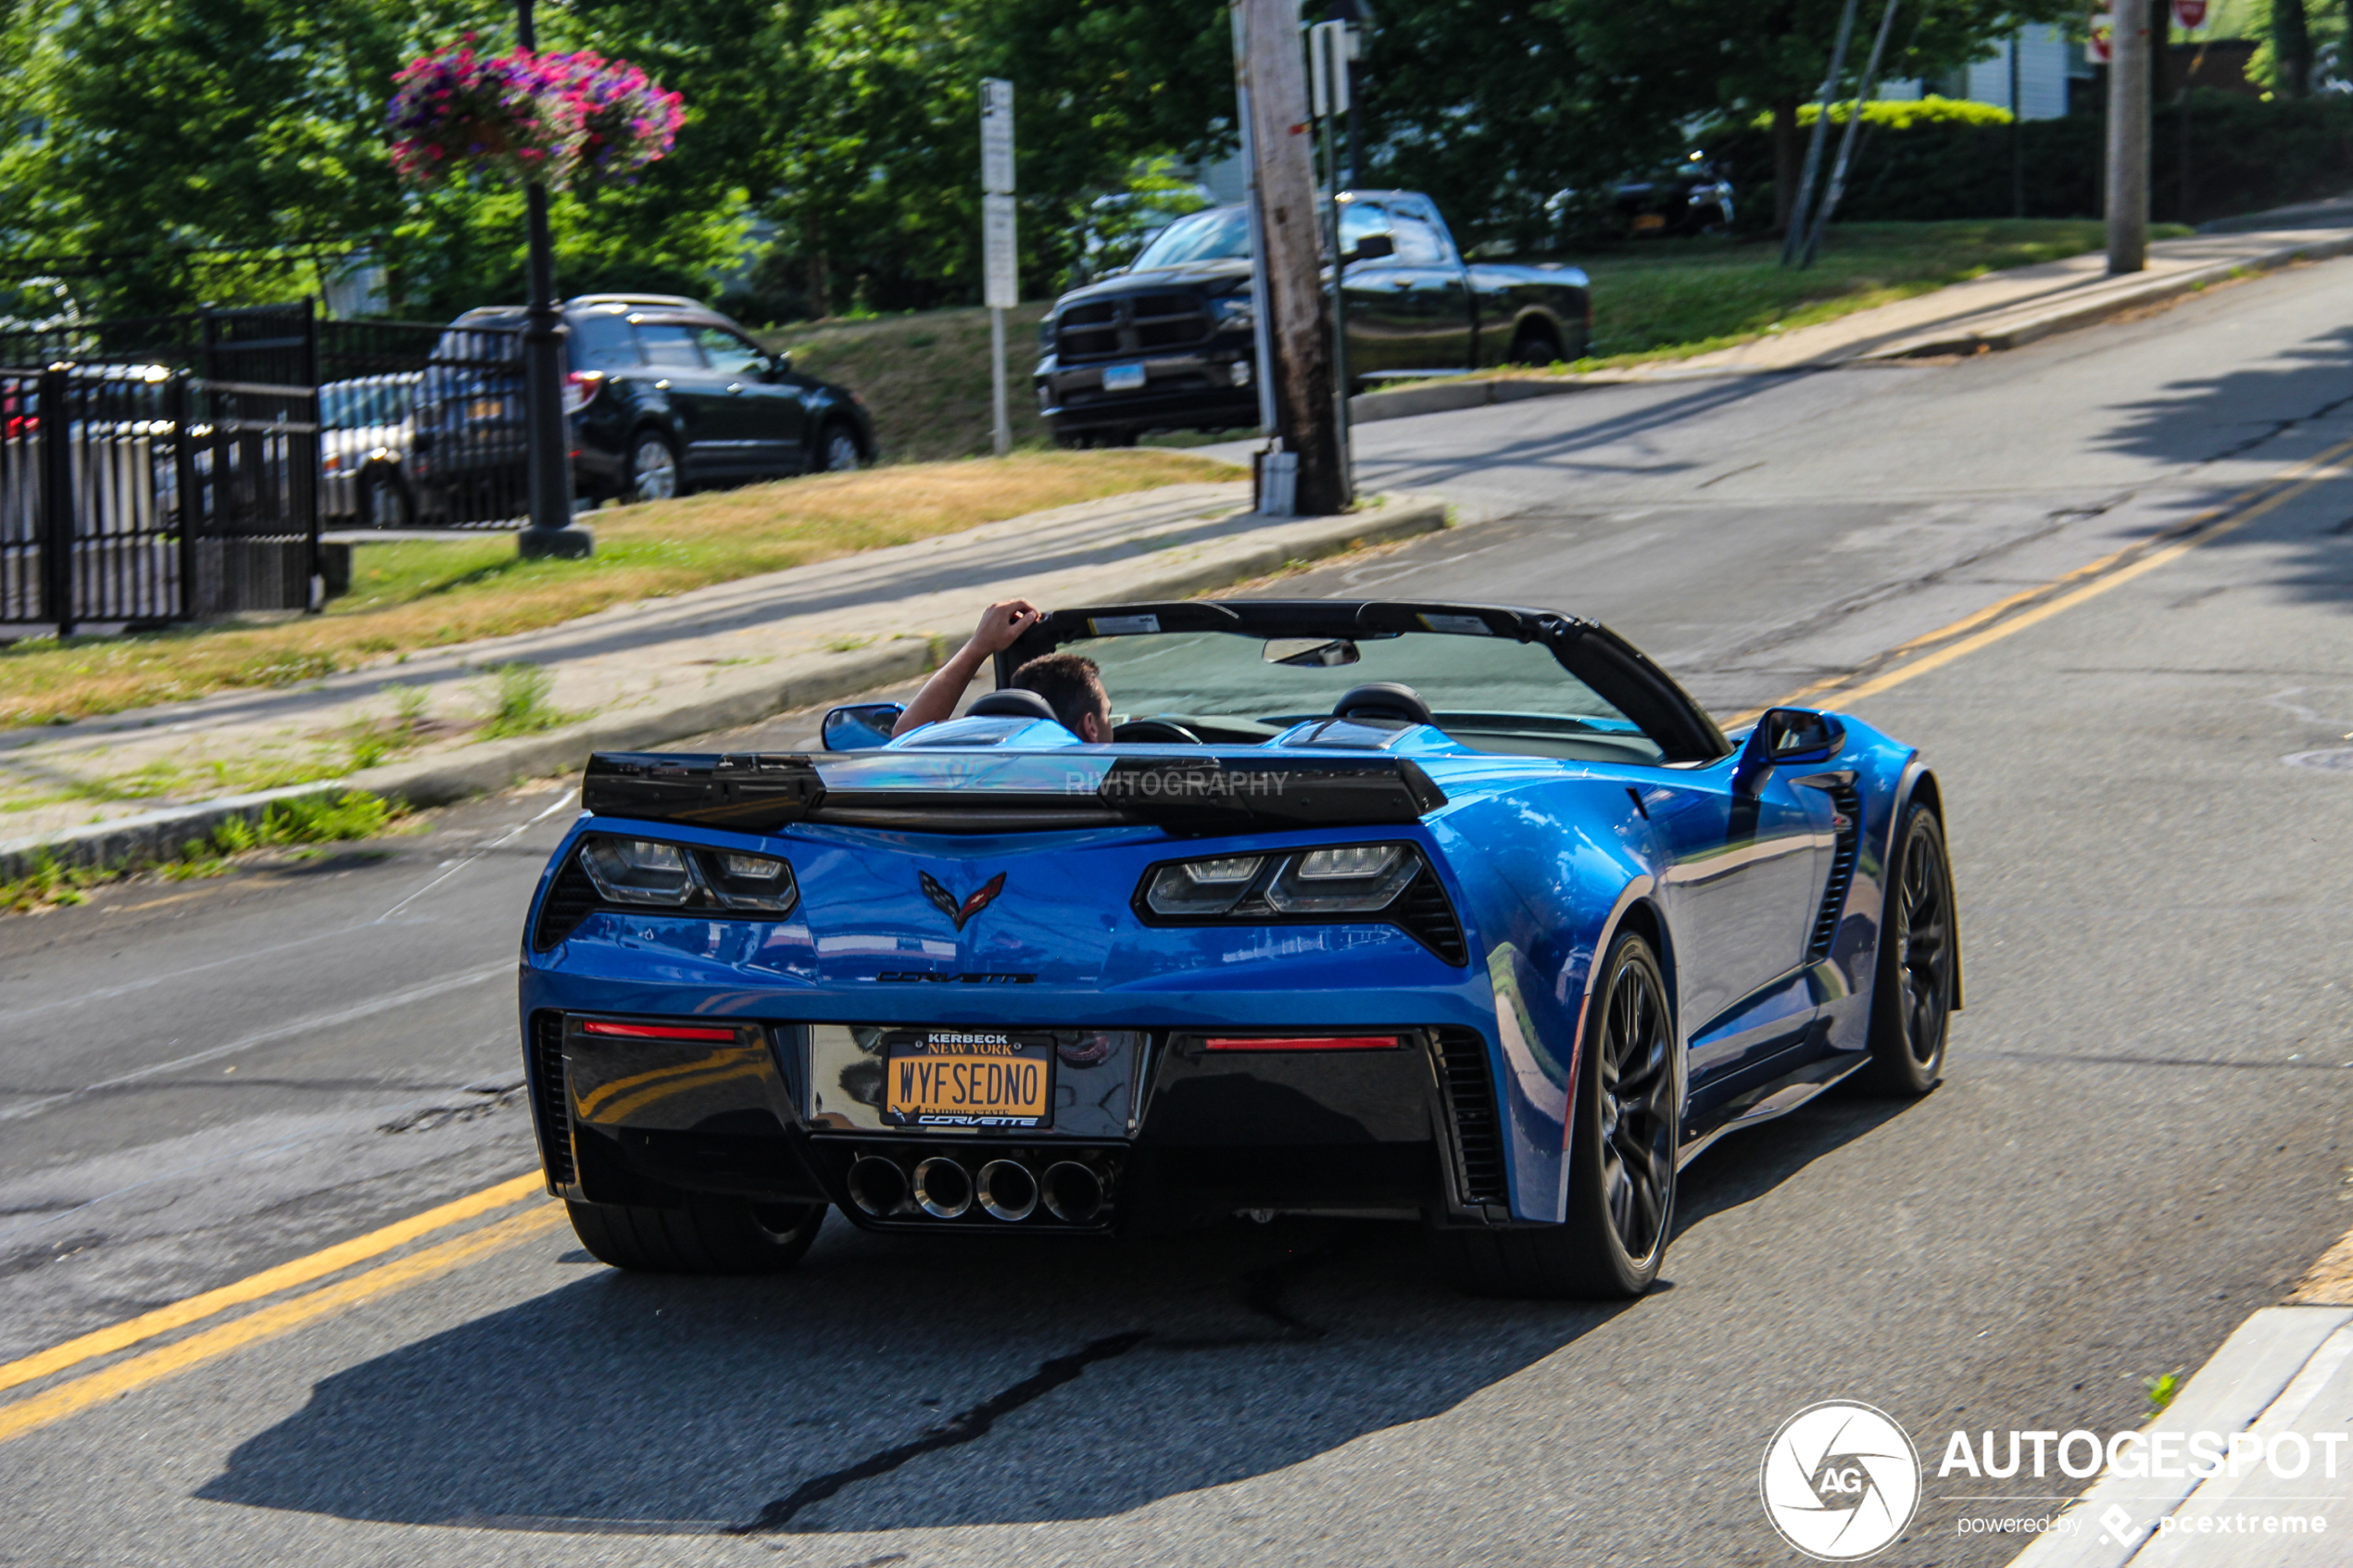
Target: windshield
(1221, 234)
(1488, 693)
(374, 401)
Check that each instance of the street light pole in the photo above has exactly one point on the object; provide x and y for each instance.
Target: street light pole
(550, 531)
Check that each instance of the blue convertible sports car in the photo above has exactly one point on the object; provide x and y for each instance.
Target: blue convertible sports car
(1454, 911)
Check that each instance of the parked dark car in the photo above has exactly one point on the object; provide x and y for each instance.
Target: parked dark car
(660, 395)
(367, 426)
(1167, 343)
(1689, 196)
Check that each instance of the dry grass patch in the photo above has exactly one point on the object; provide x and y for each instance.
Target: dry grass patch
(407, 597)
(925, 377)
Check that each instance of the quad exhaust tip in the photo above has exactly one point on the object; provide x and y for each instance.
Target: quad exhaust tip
(943, 1188)
(1073, 1194)
(878, 1186)
(1008, 1191)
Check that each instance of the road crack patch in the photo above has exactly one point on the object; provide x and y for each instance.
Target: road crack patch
(963, 1427)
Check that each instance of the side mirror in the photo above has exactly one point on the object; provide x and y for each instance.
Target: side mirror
(779, 367)
(1372, 247)
(1785, 736)
(861, 726)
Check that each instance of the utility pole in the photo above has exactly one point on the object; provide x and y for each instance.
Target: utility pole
(1274, 71)
(547, 455)
(1328, 90)
(1001, 279)
(2128, 139)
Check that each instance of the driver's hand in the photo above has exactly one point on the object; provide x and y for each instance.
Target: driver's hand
(1002, 624)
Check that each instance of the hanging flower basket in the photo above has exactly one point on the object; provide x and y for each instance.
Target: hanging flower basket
(521, 117)
(627, 119)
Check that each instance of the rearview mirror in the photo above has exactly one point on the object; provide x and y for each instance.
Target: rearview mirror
(1310, 653)
(1372, 247)
(1785, 736)
(860, 727)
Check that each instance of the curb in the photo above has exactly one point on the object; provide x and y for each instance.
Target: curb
(1439, 397)
(726, 703)
(2066, 317)
(2254, 1368)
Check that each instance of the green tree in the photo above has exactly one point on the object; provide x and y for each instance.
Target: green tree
(1669, 60)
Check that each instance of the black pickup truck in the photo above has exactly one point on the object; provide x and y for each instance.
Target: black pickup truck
(1167, 345)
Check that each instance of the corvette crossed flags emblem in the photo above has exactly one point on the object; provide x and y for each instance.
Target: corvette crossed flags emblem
(946, 903)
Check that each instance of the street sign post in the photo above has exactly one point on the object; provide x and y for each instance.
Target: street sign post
(1001, 281)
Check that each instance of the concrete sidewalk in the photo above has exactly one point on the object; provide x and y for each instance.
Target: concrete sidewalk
(2282, 1381)
(2004, 309)
(648, 673)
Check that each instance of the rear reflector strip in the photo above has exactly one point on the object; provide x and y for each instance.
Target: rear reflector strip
(1301, 1043)
(653, 1031)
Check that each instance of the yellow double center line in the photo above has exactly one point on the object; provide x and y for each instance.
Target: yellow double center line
(62, 1400)
(2031, 606)
(59, 1400)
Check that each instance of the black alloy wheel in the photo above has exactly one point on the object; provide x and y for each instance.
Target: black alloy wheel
(1912, 998)
(711, 1236)
(1626, 1135)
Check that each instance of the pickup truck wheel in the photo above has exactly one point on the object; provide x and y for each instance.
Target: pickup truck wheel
(711, 1235)
(1533, 345)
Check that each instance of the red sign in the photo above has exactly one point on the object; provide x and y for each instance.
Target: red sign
(2099, 42)
(2189, 13)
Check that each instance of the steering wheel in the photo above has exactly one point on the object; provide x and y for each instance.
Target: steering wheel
(1383, 699)
(1155, 730)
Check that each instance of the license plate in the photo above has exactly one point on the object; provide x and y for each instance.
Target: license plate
(1123, 378)
(1646, 222)
(487, 408)
(967, 1078)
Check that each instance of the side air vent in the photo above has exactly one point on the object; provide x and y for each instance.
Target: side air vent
(546, 1065)
(1470, 1108)
(1427, 916)
(572, 899)
(1849, 806)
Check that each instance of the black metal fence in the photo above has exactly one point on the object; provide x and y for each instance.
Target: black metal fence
(140, 495)
(420, 425)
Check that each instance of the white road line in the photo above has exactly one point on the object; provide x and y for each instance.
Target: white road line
(563, 796)
(316, 1020)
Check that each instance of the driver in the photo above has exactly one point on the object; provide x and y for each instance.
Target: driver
(1070, 683)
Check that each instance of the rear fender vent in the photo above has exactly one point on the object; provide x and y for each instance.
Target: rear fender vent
(546, 1065)
(1849, 806)
(1470, 1112)
(572, 898)
(1427, 916)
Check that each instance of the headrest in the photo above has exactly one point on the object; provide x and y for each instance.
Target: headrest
(1012, 703)
(1383, 699)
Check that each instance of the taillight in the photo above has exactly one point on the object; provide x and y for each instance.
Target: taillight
(655, 1031)
(581, 388)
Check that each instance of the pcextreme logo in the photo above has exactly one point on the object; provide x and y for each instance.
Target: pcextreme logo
(1839, 1480)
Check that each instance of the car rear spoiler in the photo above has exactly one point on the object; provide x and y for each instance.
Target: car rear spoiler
(762, 792)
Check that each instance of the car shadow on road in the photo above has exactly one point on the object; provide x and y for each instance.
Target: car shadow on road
(896, 1382)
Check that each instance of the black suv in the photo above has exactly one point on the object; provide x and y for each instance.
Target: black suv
(661, 393)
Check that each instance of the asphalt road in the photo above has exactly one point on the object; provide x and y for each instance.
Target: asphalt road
(2141, 1137)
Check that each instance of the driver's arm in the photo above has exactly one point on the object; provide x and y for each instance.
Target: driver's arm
(1001, 626)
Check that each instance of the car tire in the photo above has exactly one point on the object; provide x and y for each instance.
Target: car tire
(1622, 1154)
(711, 1236)
(1532, 346)
(384, 503)
(837, 449)
(1918, 977)
(651, 472)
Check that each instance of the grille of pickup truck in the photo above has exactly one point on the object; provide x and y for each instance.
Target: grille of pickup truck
(1134, 324)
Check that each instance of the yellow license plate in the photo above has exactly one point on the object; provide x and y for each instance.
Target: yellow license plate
(967, 1078)
(487, 408)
